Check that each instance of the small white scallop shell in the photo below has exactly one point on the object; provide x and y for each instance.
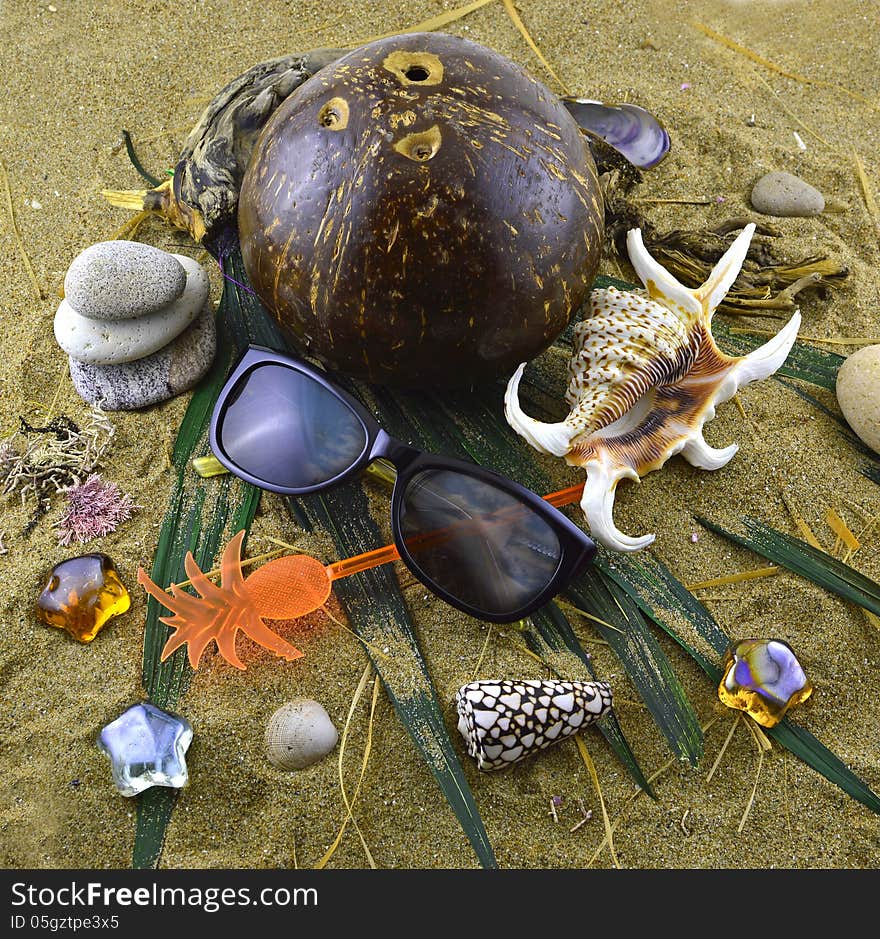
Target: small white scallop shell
(299, 733)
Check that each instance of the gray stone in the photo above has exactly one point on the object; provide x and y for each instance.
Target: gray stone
(782, 194)
(112, 342)
(119, 280)
(156, 378)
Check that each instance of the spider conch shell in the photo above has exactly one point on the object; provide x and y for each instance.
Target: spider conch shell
(645, 376)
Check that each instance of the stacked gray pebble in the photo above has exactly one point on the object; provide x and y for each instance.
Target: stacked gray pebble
(137, 324)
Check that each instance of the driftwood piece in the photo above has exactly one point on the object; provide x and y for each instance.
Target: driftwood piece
(202, 196)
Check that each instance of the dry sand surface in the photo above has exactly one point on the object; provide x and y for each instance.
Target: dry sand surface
(75, 74)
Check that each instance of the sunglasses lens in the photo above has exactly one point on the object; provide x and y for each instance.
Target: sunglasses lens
(477, 542)
(286, 429)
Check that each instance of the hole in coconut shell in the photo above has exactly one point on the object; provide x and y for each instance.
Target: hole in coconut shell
(420, 146)
(334, 114)
(414, 68)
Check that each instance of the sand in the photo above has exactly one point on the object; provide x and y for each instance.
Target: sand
(75, 75)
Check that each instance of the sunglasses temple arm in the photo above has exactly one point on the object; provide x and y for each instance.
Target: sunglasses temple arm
(565, 496)
(362, 562)
(370, 559)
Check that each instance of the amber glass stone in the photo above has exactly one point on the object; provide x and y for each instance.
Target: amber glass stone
(763, 678)
(82, 594)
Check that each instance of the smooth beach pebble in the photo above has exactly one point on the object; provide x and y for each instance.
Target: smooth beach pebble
(785, 195)
(118, 280)
(858, 394)
(111, 342)
(299, 733)
(155, 378)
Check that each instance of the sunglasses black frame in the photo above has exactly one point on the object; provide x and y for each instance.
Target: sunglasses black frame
(576, 547)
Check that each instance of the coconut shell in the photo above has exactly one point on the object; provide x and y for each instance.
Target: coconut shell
(421, 212)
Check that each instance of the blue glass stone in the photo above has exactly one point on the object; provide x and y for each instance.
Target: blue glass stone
(146, 747)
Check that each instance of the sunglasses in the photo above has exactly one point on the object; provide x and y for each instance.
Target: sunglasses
(483, 543)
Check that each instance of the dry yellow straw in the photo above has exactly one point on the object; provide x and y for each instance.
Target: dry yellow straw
(518, 23)
(723, 749)
(38, 291)
(736, 47)
(570, 606)
(763, 745)
(426, 26)
(734, 578)
(794, 116)
(802, 526)
(368, 746)
(867, 192)
(839, 527)
(248, 562)
(482, 653)
(609, 835)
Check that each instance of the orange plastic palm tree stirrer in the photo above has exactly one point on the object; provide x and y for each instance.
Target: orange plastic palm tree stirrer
(287, 588)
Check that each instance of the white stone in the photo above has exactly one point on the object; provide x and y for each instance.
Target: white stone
(299, 733)
(858, 394)
(117, 280)
(111, 342)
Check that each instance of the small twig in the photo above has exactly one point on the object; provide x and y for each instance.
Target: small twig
(750, 803)
(587, 815)
(682, 825)
(377, 652)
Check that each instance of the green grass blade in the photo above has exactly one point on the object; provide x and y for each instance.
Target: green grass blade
(549, 635)
(666, 602)
(198, 519)
(154, 808)
(373, 602)
(623, 627)
(806, 747)
(803, 559)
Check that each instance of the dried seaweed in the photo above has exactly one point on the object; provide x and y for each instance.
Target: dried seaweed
(767, 281)
(38, 462)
